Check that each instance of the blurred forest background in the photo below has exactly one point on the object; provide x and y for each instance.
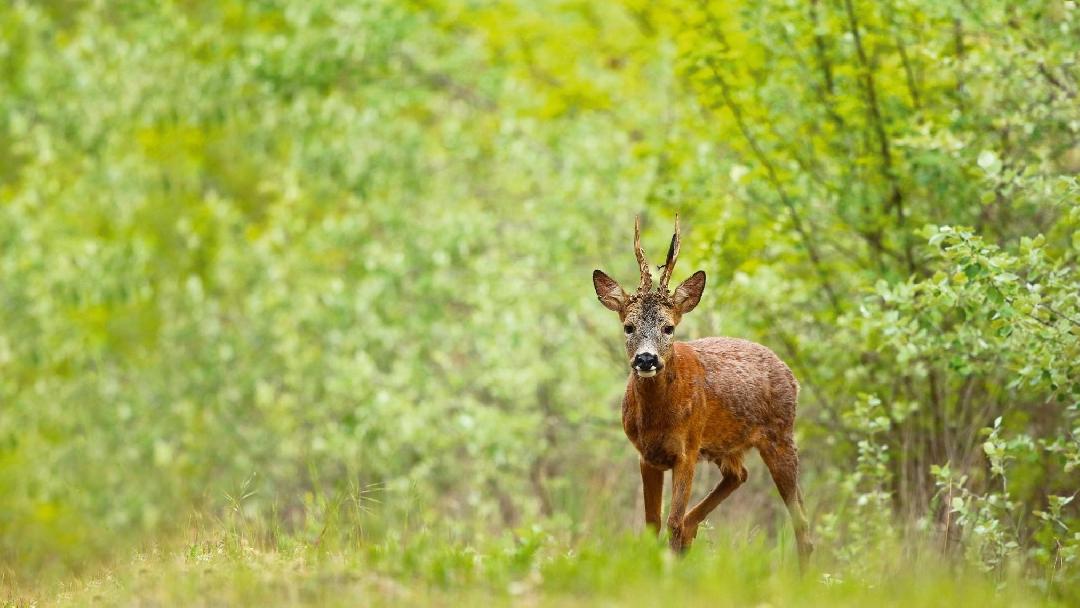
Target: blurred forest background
(317, 272)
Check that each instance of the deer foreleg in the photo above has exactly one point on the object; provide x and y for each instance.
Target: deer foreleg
(652, 488)
(682, 481)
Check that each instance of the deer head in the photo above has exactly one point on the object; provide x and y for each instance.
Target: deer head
(649, 316)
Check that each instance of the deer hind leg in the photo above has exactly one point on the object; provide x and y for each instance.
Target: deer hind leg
(732, 478)
(782, 460)
(652, 488)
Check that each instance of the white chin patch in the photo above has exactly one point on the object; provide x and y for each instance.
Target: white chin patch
(648, 374)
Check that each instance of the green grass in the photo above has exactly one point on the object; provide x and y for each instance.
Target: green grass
(530, 567)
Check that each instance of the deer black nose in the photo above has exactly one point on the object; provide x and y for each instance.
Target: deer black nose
(646, 361)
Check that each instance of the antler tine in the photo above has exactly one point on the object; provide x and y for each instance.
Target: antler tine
(646, 275)
(672, 256)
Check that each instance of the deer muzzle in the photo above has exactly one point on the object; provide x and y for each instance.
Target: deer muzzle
(647, 364)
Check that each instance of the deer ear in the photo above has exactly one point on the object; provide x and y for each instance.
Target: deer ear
(608, 291)
(688, 294)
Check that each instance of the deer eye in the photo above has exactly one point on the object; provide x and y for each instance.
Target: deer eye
(628, 328)
(669, 329)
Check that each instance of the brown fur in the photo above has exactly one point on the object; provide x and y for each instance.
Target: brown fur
(712, 399)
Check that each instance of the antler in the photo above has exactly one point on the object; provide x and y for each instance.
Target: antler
(672, 255)
(646, 275)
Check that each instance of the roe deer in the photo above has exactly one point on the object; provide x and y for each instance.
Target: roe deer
(711, 398)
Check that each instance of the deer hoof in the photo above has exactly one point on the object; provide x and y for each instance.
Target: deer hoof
(681, 538)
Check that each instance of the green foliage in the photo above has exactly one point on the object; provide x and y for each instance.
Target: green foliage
(843, 133)
(310, 280)
(276, 243)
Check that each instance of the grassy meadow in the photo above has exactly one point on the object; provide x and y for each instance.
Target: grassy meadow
(295, 298)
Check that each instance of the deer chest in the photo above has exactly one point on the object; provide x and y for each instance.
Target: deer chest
(658, 452)
(659, 447)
